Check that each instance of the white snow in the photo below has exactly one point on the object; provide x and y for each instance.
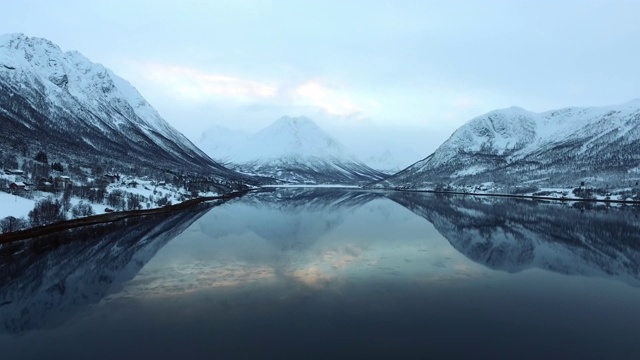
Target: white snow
(299, 137)
(19, 207)
(471, 170)
(16, 206)
(287, 138)
(516, 133)
(66, 76)
(287, 148)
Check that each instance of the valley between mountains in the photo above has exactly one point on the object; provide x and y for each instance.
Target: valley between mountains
(76, 140)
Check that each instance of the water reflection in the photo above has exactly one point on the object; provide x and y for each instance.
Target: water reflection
(45, 280)
(334, 273)
(514, 235)
(309, 238)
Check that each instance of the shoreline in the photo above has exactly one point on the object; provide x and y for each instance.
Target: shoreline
(120, 215)
(108, 217)
(516, 196)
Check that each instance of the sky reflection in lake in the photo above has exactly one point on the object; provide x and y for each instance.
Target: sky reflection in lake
(354, 274)
(325, 247)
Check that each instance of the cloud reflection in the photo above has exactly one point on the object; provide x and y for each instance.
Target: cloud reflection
(290, 243)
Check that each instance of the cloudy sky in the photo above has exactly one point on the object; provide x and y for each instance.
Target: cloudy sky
(370, 72)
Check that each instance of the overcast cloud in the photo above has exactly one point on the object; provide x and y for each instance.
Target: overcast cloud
(410, 71)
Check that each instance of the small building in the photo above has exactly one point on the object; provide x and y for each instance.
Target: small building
(17, 186)
(14, 172)
(62, 180)
(45, 185)
(112, 178)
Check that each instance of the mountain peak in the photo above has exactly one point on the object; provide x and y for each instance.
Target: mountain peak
(70, 94)
(297, 137)
(292, 149)
(5, 38)
(512, 146)
(20, 40)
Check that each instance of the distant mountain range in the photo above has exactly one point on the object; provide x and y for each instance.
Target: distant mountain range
(293, 150)
(599, 146)
(83, 113)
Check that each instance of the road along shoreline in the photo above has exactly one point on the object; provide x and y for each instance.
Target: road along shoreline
(109, 217)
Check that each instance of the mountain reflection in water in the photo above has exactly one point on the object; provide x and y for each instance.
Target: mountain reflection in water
(333, 273)
(514, 235)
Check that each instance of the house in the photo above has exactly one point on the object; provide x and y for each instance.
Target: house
(17, 186)
(62, 180)
(45, 185)
(14, 172)
(112, 178)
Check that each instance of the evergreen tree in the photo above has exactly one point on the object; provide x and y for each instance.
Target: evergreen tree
(41, 156)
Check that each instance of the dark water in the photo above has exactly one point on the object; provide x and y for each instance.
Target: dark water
(332, 274)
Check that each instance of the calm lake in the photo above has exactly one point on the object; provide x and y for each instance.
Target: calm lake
(313, 273)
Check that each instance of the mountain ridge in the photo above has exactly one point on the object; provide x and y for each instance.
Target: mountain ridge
(47, 94)
(564, 147)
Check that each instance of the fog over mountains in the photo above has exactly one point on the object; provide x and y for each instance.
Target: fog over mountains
(83, 113)
(292, 150)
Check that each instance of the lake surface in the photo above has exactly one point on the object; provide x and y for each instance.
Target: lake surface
(331, 274)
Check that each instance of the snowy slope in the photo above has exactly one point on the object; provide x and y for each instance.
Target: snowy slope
(224, 145)
(560, 147)
(15, 206)
(65, 103)
(294, 137)
(293, 150)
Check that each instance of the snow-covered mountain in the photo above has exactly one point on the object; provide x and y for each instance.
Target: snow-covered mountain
(63, 103)
(292, 150)
(598, 145)
(224, 144)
